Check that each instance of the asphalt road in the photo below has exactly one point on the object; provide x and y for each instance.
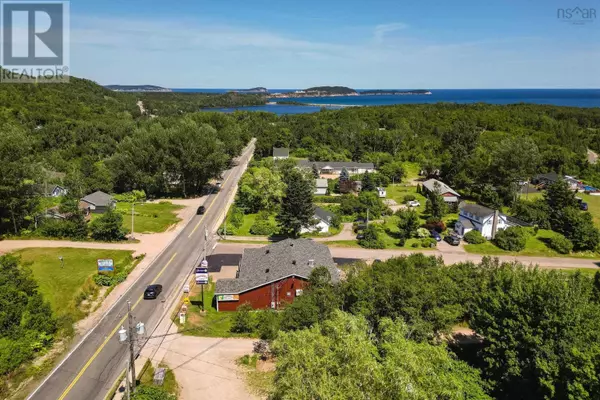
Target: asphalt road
(93, 366)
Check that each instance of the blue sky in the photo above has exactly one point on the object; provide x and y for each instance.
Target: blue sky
(362, 44)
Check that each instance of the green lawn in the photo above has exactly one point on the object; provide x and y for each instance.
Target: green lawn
(61, 286)
(535, 247)
(412, 170)
(210, 324)
(397, 193)
(149, 217)
(169, 384)
(247, 223)
(593, 206)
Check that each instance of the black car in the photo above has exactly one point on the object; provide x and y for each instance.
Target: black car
(152, 291)
(434, 234)
(452, 240)
(201, 210)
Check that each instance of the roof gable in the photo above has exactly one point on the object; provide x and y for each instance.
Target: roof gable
(430, 185)
(98, 198)
(281, 152)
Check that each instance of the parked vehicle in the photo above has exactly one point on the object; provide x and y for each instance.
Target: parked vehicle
(413, 203)
(201, 210)
(152, 291)
(435, 235)
(453, 240)
(360, 236)
(582, 204)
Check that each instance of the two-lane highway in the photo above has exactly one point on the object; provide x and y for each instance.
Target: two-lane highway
(94, 364)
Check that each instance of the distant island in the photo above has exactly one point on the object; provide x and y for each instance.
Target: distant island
(393, 92)
(137, 88)
(330, 91)
(255, 90)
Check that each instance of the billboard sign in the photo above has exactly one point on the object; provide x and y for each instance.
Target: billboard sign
(106, 265)
(228, 297)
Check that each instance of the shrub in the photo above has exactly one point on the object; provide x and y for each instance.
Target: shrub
(428, 242)
(511, 239)
(243, 321)
(561, 244)
(423, 233)
(435, 224)
(372, 238)
(66, 228)
(263, 227)
(409, 197)
(415, 245)
(474, 237)
(103, 280)
(108, 227)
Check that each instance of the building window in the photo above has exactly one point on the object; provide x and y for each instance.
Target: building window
(289, 294)
(299, 292)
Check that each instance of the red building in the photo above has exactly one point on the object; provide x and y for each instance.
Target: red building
(270, 276)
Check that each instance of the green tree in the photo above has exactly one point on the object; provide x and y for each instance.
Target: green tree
(408, 223)
(579, 227)
(435, 206)
(260, 188)
(372, 237)
(541, 334)
(394, 171)
(108, 227)
(511, 239)
(490, 198)
(559, 197)
(315, 171)
(297, 209)
(243, 320)
(367, 183)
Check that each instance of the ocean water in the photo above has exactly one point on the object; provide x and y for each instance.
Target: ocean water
(557, 97)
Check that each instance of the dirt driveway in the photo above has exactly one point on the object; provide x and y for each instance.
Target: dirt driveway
(205, 368)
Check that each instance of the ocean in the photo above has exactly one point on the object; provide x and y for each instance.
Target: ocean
(558, 97)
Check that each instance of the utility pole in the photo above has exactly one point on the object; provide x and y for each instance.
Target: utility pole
(205, 240)
(367, 217)
(131, 344)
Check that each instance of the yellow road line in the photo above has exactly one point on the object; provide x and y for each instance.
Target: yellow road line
(208, 208)
(110, 336)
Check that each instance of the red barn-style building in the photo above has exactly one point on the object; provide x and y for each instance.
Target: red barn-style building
(270, 276)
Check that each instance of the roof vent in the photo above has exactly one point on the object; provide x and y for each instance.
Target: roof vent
(267, 251)
(267, 271)
(311, 263)
(291, 244)
(294, 262)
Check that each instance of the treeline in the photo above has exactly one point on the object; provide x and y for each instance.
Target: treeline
(27, 324)
(87, 138)
(176, 103)
(471, 145)
(386, 333)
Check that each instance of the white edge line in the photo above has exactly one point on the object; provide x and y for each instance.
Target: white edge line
(104, 316)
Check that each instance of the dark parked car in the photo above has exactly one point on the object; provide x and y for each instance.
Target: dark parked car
(583, 206)
(436, 235)
(201, 210)
(152, 291)
(453, 240)
(360, 236)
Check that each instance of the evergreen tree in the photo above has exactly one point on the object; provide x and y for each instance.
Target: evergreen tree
(315, 171)
(297, 209)
(344, 175)
(435, 205)
(367, 183)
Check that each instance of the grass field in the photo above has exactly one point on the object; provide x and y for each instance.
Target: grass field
(397, 193)
(412, 170)
(535, 247)
(210, 324)
(60, 286)
(593, 206)
(149, 217)
(169, 384)
(247, 223)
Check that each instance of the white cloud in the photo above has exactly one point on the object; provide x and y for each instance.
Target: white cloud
(383, 29)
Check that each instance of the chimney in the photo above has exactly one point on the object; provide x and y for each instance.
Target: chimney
(311, 263)
(495, 223)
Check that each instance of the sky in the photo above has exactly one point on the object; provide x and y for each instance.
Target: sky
(425, 44)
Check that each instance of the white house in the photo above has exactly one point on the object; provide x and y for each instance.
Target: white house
(321, 187)
(484, 220)
(336, 167)
(381, 192)
(323, 218)
(281, 153)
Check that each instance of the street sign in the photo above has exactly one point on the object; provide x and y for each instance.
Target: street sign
(201, 270)
(186, 300)
(106, 265)
(201, 279)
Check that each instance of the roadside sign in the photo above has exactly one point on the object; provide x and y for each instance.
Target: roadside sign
(204, 264)
(182, 318)
(186, 289)
(106, 265)
(202, 279)
(201, 270)
(186, 300)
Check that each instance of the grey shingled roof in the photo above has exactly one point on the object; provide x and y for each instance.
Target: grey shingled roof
(335, 164)
(271, 263)
(324, 215)
(550, 176)
(281, 152)
(430, 185)
(476, 209)
(98, 199)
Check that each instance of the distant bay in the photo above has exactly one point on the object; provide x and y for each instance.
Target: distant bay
(558, 97)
